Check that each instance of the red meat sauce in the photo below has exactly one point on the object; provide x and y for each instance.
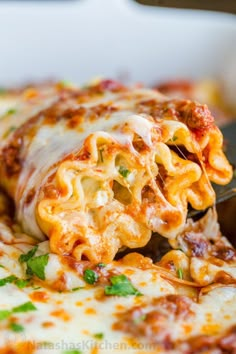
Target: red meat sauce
(200, 246)
(196, 116)
(153, 325)
(223, 344)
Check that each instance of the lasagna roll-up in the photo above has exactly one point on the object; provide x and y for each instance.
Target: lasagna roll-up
(100, 168)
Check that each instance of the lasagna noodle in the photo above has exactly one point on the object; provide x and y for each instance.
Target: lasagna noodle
(101, 168)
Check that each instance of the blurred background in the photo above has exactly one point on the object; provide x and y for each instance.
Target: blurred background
(78, 40)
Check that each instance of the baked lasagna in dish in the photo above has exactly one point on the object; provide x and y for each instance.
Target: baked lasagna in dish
(214, 93)
(97, 252)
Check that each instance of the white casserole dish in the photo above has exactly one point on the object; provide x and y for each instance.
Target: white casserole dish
(80, 39)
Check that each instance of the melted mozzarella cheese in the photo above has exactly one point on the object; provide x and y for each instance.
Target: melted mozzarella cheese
(74, 320)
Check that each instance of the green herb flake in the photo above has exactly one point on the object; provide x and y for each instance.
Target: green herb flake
(99, 335)
(123, 171)
(25, 257)
(12, 129)
(101, 154)
(26, 307)
(180, 273)
(36, 287)
(11, 111)
(90, 276)
(101, 265)
(121, 286)
(16, 327)
(4, 314)
(76, 289)
(140, 319)
(1, 266)
(29, 271)
(22, 283)
(72, 352)
(36, 266)
(9, 131)
(174, 138)
(7, 280)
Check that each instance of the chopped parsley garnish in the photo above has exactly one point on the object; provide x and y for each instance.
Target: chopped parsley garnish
(9, 131)
(36, 287)
(15, 327)
(76, 289)
(26, 307)
(123, 171)
(1, 266)
(4, 314)
(25, 257)
(72, 352)
(180, 273)
(22, 283)
(7, 280)
(99, 335)
(36, 266)
(121, 286)
(101, 154)
(174, 138)
(101, 265)
(11, 111)
(90, 276)
(140, 319)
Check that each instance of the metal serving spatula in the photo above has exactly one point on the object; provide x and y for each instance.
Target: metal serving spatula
(226, 192)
